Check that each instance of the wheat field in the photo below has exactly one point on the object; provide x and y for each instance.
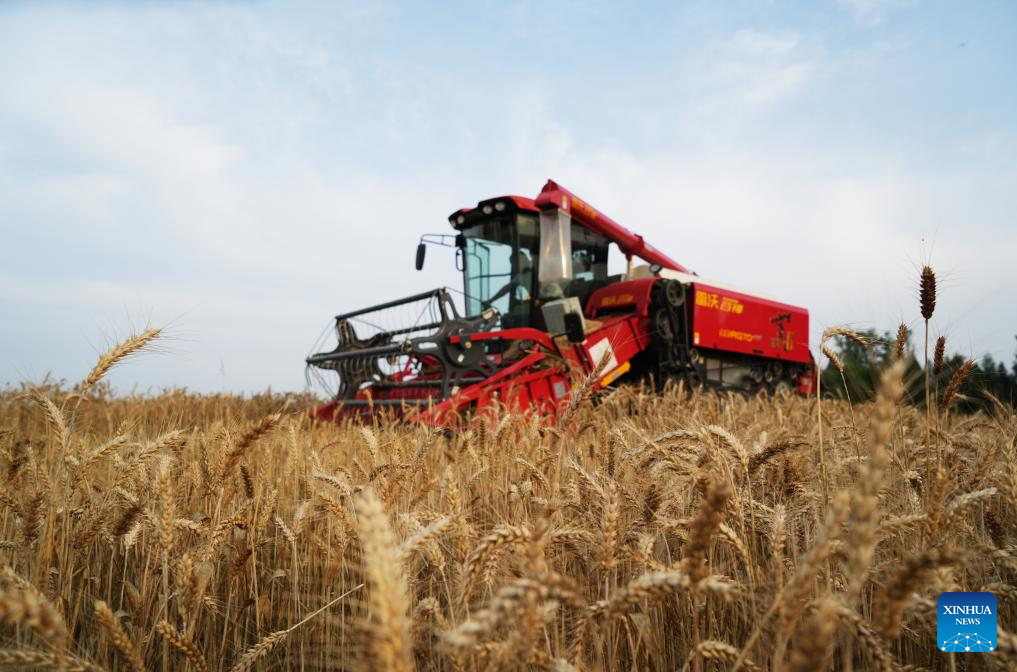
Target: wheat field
(660, 532)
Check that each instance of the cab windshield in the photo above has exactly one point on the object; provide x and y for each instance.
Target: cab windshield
(500, 269)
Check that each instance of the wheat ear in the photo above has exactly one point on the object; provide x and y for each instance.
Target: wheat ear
(871, 642)
(22, 602)
(390, 637)
(249, 438)
(814, 640)
(610, 526)
(927, 302)
(938, 357)
(704, 526)
(25, 659)
(911, 575)
(118, 353)
(955, 384)
(118, 636)
(486, 552)
(901, 342)
(722, 652)
(182, 644)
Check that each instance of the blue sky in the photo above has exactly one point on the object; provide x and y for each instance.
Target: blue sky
(242, 171)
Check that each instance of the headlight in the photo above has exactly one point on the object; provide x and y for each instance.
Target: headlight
(461, 219)
(487, 209)
(499, 206)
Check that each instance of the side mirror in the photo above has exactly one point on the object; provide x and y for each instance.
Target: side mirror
(421, 253)
(574, 327)
(655, 269)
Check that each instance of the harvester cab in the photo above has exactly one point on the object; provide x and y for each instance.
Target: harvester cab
(539, 310)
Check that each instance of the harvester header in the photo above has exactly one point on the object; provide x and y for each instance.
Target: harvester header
(539, 310)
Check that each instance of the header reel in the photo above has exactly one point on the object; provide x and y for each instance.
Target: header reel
(416, 350)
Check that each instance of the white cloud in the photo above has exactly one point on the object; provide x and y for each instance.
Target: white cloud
(777, 85)
(749, 70)
(755, 43)
(873, 12)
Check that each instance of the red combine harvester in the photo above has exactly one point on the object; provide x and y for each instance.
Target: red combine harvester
(540, 310)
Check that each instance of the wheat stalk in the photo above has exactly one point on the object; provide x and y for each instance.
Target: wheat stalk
(864, 516)
(267, 643)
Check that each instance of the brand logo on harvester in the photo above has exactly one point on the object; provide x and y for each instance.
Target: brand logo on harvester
(966, 622)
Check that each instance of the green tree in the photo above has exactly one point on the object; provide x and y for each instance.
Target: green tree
(862, 368)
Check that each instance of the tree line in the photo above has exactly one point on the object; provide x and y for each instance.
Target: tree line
(862, 365)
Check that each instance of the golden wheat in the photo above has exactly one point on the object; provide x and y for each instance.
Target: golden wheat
(647, 531)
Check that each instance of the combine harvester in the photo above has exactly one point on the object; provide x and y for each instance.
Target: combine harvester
(541, 312)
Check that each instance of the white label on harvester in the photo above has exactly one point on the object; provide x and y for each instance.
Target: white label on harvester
(599, 350)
